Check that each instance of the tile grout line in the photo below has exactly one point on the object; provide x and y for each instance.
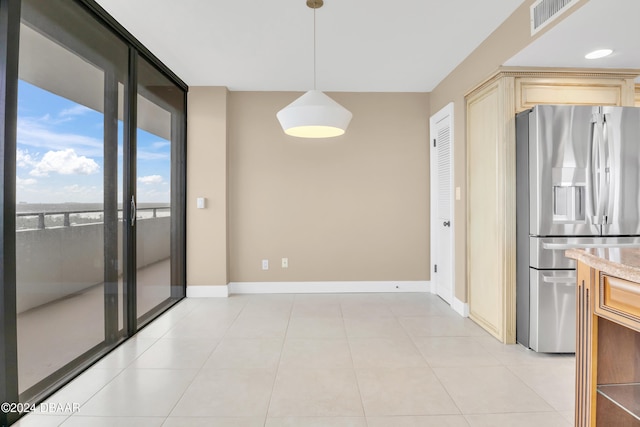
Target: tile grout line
(116, 349)
(275, 375)
(122, 369)
(199, 370)
(508, 367)
(353, 366)
(411, 337)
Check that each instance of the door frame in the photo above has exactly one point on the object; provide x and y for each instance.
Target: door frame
(445, 113)
(9, 36)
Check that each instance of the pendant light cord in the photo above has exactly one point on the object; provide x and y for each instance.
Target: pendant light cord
(314, 49)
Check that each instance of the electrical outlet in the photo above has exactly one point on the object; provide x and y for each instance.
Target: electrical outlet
(285, 262)
(265, 264)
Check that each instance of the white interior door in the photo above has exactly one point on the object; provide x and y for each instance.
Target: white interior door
(442, 275)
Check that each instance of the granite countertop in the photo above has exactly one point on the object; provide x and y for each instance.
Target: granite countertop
(622, 262)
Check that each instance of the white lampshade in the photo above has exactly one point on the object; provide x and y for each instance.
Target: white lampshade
(314, 115)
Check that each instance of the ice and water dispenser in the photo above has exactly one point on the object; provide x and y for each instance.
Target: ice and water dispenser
(569, 195)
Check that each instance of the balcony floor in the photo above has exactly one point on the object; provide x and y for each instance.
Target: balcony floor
(62, 330)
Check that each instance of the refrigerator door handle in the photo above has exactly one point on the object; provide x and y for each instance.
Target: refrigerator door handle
(593, 172)
(565, 246)
(607, 134)
(598, 166)
(569, 279)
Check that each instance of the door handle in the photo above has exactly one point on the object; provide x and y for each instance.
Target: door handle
(565, 246)
(133, 211)
(610, 181)
(599, 166)
(447, 223)
(569, 278)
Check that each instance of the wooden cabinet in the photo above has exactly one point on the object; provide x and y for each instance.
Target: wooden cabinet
(491, 194)
(608, 349)
(584, 346)
(575, 90)
(617, 375)
(490, 174)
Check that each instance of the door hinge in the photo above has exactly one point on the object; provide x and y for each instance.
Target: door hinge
(434, 142)
(435, 268)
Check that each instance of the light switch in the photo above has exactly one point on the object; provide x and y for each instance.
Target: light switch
(200, 202)
(265, 264)
(457, 193)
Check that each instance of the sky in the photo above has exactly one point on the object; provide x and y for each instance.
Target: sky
(60, 155)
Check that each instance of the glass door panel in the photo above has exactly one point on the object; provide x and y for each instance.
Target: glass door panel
(159, 112)
(69, 178)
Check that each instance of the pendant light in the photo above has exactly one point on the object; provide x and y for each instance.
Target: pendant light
(314, 114)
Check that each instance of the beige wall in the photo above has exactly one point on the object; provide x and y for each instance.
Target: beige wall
(351, 208)
(207, 254)
(512, 36)
(355, 207)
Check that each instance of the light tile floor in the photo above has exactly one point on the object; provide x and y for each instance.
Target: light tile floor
(349, 360)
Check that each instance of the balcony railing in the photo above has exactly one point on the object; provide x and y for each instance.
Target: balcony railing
(154, 212)
(57, 261)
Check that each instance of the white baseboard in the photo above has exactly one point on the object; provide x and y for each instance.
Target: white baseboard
(195, 291)
(327, 287)
(462, 308)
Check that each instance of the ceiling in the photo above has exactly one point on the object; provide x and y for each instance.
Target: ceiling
(362, 46)
(589, 28)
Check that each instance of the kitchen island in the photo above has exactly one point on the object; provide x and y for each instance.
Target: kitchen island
(608, 336)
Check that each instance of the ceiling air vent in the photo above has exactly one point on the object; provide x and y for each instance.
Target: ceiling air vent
(545, 11)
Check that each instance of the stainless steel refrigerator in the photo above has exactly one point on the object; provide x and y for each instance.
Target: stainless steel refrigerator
(578, 185)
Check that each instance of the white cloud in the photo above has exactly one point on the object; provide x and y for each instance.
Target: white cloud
(24, 159)
(77, 110)
(23, 182)
(38, 133)
(65, 162)
(151, 155)
(75, 188)
(151, 195)
(160, 144)
(151, 179)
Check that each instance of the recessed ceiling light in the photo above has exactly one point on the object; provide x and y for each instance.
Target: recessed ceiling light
(600, 53)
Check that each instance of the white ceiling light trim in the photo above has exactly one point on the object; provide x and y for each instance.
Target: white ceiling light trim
(314, 114)
(600, 53)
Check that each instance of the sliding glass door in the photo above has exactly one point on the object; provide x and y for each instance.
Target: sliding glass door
(97, 202)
